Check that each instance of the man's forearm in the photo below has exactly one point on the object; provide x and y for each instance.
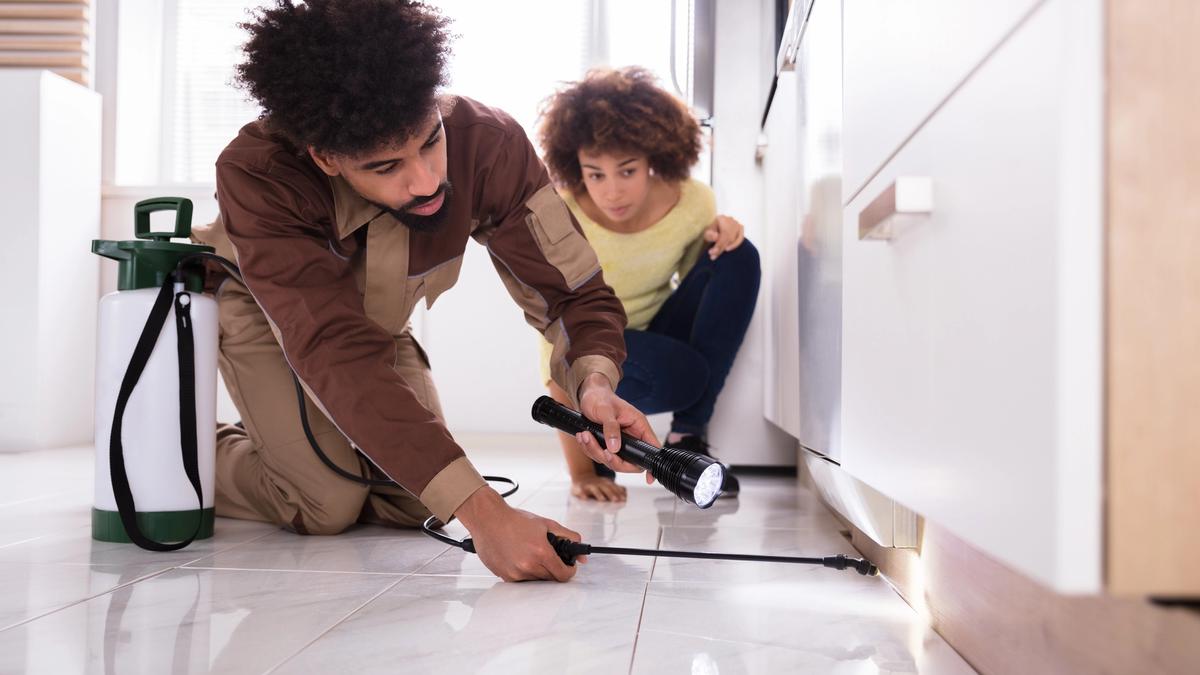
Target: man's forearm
(481, 506)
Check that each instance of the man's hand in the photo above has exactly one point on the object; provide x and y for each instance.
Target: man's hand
(600, 404)
(512, 543)
(726, 234)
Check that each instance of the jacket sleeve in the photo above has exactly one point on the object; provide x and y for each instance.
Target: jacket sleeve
(549, 267)
(309, 296)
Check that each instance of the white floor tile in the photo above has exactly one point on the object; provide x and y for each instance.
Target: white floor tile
(28, 591)
(77, 547)
(477, 625)
(768, 501)
(807, 542)
(661, 652)
(865, 624)
(382, 600)
(61, 472)
(189, 621)
(367, 549)
(43, 516)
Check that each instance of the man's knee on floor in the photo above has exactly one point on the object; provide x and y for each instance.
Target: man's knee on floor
(331, 516)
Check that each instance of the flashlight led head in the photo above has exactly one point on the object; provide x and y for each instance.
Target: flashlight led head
(708, 487)
(697, 478)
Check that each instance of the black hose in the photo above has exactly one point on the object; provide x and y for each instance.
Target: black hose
(308, 433)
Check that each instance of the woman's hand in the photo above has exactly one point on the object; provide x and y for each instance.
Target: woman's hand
(597, 487)
(726, 234)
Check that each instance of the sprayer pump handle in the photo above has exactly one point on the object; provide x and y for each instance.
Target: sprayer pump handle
(183, 218)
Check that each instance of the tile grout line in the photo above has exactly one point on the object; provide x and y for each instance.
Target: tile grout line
(637, 633)
(357, 609)
(223, 550)
(65, 531)
(815, 528)
(24, 541)
(294, 571)
(710, 638)
(432, 560)
(335, 624)
(89, 598)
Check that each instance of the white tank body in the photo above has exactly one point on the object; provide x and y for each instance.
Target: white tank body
(150, 432)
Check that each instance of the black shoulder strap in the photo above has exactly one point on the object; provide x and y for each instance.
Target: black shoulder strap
(187, 412)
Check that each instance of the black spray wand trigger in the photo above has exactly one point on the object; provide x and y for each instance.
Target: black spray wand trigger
(566, 549)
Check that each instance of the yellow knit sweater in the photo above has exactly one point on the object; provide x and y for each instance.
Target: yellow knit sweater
(642, 266)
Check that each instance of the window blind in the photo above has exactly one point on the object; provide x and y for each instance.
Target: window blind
(51, 35)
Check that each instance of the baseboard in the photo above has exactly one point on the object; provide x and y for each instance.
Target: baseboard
(762, 470)
(1001, 621)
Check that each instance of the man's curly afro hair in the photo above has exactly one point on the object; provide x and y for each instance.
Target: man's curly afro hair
(345, 76)
(618, 111)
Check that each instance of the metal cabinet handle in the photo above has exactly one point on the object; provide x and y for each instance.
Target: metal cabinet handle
(906, 201)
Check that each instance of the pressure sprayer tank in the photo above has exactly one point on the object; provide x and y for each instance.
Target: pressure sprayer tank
(166, 503)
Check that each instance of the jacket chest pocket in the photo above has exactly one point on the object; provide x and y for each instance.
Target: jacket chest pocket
(386, 283)
(433, 283)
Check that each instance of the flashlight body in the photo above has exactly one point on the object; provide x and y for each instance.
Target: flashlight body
(552, 413)
(683, 473)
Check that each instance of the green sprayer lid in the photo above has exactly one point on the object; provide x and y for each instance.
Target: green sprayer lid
(146, 261)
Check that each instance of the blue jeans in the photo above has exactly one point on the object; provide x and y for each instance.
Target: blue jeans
(680, 362)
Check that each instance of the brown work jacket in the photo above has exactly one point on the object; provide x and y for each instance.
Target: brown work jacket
(337, 279)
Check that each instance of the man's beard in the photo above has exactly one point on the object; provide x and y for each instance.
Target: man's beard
(418, 223)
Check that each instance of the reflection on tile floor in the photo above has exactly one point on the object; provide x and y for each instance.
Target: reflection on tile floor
(257, 599)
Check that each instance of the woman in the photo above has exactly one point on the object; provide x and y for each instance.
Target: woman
(621, 148)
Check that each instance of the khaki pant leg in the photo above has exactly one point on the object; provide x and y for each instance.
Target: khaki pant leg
(269, 471)
(392, 506)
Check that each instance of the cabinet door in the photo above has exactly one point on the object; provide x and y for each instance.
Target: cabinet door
(819, 250)
(905, 58)
(779, 303)
(972, 362)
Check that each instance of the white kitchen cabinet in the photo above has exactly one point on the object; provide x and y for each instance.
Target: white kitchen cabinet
(972, 354)
(50, 208)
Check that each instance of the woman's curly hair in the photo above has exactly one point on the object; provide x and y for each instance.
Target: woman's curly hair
(345, 76)
(618, 111)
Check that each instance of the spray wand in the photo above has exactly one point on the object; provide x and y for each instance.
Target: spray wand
(568, 550)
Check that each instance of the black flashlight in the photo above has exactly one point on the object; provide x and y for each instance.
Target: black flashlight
(694, 478)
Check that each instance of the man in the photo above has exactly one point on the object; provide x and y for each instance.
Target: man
(349, 201)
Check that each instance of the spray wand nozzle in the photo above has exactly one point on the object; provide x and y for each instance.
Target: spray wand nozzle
(694, 478)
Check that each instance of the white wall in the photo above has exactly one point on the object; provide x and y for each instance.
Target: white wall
(484, 355)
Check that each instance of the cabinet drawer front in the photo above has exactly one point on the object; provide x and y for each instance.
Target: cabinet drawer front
(904, 58)
(971, 352)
